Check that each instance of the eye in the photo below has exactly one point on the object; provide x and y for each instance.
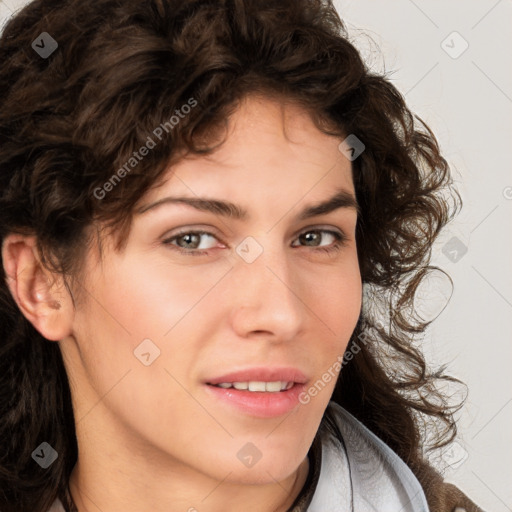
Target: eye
(191, 241)
(312, 236)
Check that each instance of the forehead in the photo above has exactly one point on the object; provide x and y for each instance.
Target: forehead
(269, 145)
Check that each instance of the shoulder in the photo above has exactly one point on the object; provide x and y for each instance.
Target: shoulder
(444, 496)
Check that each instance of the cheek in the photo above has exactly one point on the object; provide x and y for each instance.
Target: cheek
(139, 309)
(152, 297)
(342, 300)
(336, 310)
(336, 299)
(126, 308)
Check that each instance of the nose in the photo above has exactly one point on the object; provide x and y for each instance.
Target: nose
(267, 299)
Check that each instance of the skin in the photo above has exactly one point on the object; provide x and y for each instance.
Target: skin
(150, 437)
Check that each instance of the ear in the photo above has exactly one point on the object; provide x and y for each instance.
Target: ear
(40, 294)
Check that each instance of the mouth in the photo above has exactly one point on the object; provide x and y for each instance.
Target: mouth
(257, 386)
(258, 392)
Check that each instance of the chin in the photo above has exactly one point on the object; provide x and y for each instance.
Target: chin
(264, 475)
(266, 470)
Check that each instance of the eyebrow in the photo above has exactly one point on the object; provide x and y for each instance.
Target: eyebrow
(342, 199)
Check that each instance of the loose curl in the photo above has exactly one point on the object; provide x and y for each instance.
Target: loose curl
(69, 121)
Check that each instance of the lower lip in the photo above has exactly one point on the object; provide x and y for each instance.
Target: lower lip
(261, 404)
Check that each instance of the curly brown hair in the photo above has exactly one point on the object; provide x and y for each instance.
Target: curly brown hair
(68, 122)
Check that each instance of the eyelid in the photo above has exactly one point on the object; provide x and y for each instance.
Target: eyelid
(203, 229)
(328, 228)
(321, 227)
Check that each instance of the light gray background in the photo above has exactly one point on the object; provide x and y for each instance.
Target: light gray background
(467, 101)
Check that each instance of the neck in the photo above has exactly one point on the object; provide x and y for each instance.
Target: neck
(93, 490)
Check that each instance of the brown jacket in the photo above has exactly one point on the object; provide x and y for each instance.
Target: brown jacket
(442, 496)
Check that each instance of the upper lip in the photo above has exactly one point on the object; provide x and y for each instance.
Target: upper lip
(261, 374)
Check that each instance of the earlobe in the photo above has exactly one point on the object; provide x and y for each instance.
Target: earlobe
(40, 295)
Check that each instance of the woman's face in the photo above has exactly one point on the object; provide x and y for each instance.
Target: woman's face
(268, 297)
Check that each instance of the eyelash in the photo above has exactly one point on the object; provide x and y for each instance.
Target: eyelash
(336, 246)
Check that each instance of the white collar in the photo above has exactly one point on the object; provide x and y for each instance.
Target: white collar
(365, 475)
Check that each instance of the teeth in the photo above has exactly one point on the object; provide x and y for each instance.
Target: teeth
(253, 385)
(273, 386)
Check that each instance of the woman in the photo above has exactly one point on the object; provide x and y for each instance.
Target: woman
(194, 196)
